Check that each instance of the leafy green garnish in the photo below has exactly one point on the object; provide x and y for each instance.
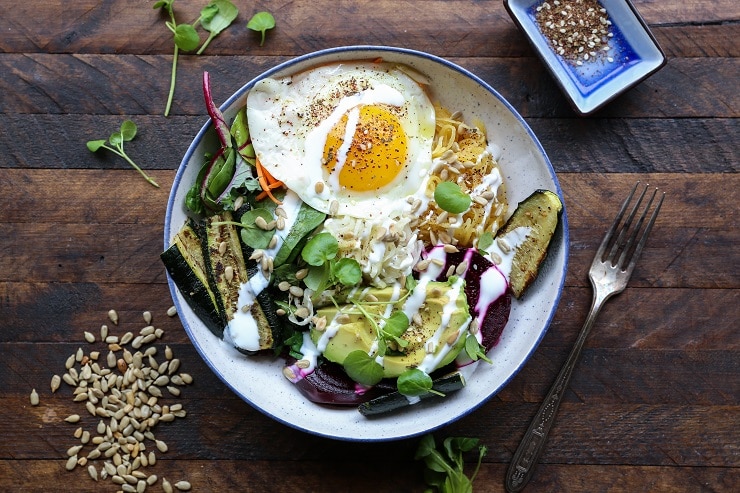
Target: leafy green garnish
(485, 240)
(451, 198)
(215, 17)
(253, 235)
(415, 382)
(444, 470)
(261, 22)
(362, 368)
(474, 349)
(126, 133)
(324, 269)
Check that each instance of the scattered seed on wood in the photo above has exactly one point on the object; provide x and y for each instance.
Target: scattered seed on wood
(147, 317)
(89, 337)
(183, 486)
(93, 472)
(71, 463)
(72, 418)
(172, 311)
(34, 398)
(166, 486)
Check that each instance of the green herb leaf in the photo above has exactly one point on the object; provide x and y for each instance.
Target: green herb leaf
(414, 382)
(319, 249)
(208, 12)
(253, 235)
(396, 324)
(261, 22)
(485, 241)
(225, 14)
(451, 198)
(165, 4)
(128, 130)
(347, 271)
(95, 145)
(363, 368)
(186, 38)
(445, 469)
(115, 139)
(474, 349)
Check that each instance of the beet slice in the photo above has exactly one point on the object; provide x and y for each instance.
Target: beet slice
(329, 384)
(492, 322)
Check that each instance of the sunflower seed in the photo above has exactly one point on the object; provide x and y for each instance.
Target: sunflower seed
(183, 486)
(166, 486)
(172, 311)
(72, 418)
(113, 316)
(56, 380)
(34, 398)
(93, 472)
(89, 337)
(71, 463)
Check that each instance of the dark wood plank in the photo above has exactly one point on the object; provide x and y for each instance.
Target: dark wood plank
(100, 84)
(447, 28)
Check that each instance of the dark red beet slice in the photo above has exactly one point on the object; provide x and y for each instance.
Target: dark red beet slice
(493, 321)
(329, 384)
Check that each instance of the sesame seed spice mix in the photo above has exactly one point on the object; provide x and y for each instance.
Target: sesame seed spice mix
(578, 30)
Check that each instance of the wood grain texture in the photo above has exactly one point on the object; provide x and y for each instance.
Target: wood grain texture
(653, 404)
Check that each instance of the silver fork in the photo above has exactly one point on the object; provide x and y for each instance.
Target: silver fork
(609, 274)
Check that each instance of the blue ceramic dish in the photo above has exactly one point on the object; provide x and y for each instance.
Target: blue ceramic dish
(633, 54)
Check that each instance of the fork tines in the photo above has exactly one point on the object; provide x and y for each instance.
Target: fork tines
(628, 234)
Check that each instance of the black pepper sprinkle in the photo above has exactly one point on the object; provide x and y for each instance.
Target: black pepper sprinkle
(578, 30)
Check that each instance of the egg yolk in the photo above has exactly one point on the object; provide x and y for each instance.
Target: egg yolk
(376, 155)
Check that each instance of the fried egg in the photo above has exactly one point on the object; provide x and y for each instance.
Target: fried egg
(349, 138)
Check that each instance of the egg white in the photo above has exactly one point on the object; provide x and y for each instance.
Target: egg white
(290, 119)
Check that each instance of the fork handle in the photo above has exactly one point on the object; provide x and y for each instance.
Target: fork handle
(530, 449)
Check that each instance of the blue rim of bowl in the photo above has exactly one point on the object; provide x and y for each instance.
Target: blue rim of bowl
(338, 50)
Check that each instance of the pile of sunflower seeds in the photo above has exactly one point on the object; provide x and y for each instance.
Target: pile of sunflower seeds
(123, 391)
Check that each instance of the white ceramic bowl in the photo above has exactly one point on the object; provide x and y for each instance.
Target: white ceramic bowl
(525, 167)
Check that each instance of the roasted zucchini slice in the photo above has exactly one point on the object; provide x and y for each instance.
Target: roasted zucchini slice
(186, 266)
(395, 400)
(540, 212)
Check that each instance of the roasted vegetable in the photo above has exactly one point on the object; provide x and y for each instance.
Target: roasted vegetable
(540, 212)
(396, 400)
(186, 266)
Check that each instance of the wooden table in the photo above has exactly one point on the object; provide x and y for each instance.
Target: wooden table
(654, 403)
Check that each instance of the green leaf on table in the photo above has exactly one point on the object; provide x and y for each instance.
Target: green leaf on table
(216, 22)
(261, 22)
(186, 37)
(95, 145)
(128, 130)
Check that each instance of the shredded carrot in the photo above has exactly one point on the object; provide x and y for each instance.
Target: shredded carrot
(267, 182)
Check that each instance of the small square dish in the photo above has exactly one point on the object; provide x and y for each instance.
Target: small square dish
(595, 49)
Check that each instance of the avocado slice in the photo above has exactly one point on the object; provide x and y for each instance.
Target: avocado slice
(356, 332)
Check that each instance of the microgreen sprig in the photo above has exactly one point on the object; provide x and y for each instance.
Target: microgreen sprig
(444, 470)
(261, 22)
(214, 17)
(325, 270)
(126, 133)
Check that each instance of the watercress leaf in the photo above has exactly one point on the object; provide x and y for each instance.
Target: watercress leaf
(347, 271)
(222, 18)
(128, 130)
(253, 235)
(165, 4)
(316, 278)
(94, 145)
(475, 350)
(363, 368)
(261, 22)
(414, 382)
(410, 283)
(485, 240)
(115, 139)
(425, 447)
(397, 324)
(464, 444)
(208, 12)
(450, 197)
(319, 249)
(186, 37)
